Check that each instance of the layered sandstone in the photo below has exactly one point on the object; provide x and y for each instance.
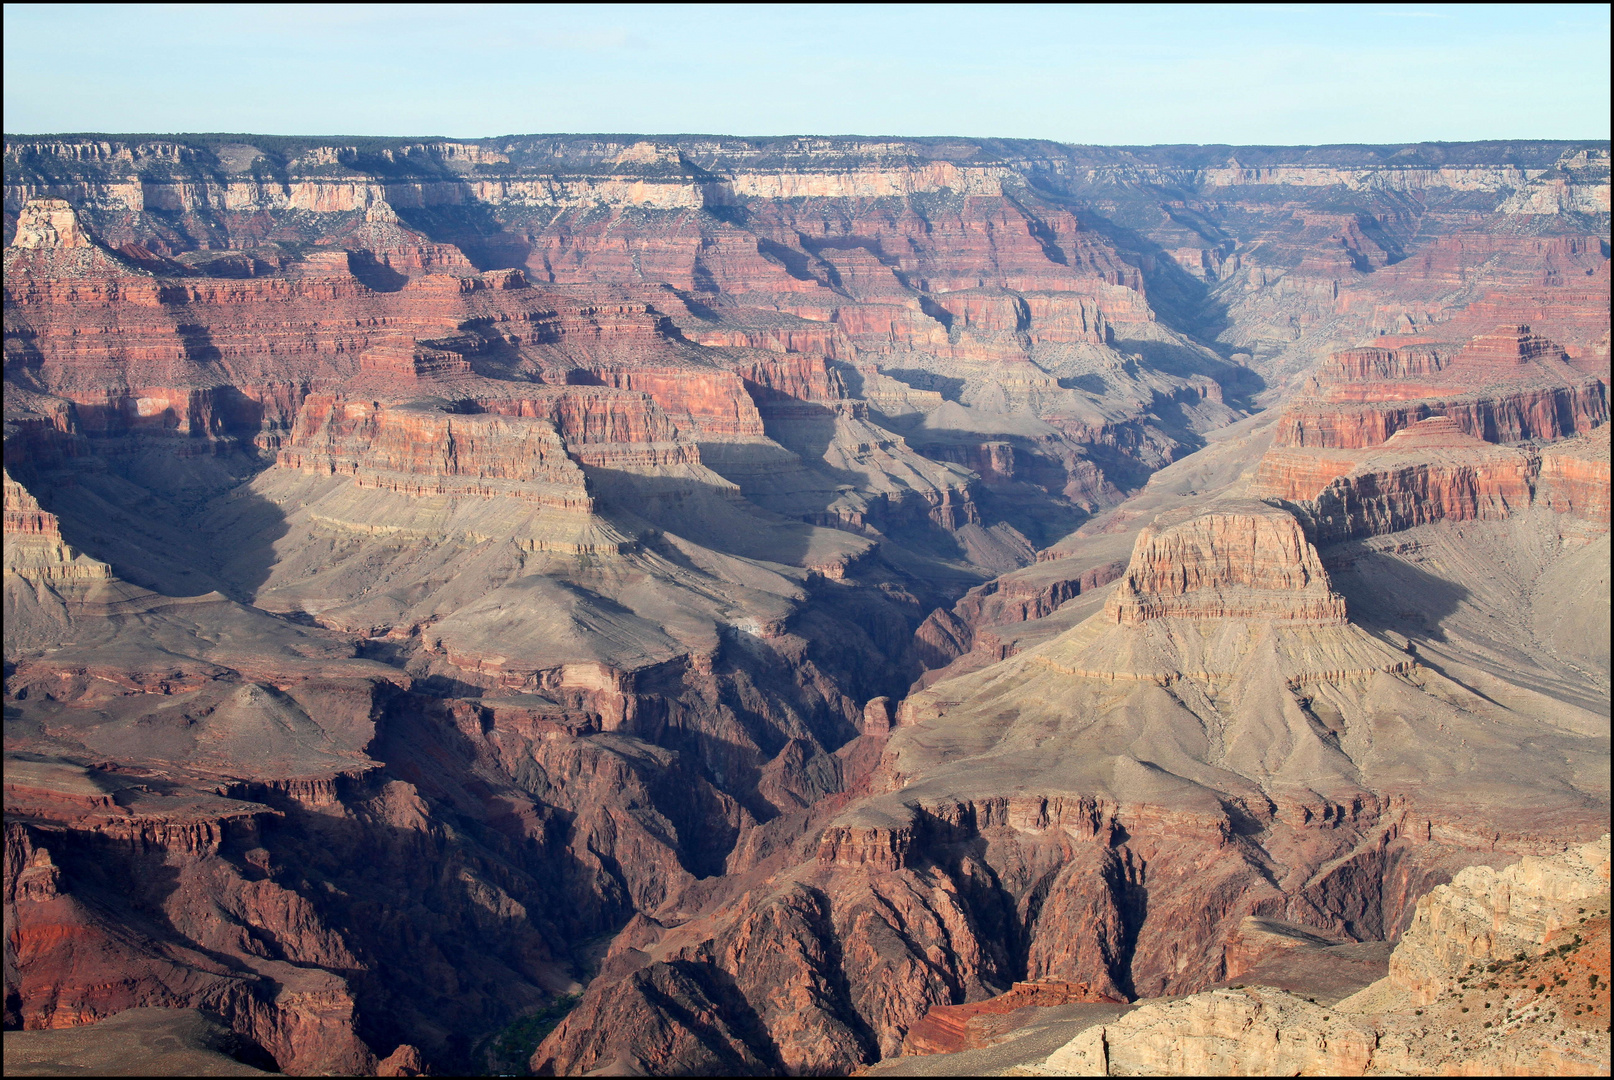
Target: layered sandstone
(35, 550)
(1485, 915)
(1469, 958)
(1384, 444)
(1243, 1032)
(423, 451)
(1505, 385)
(1574, 476)
(1248, 561)
(1431, 471)
(507, 544)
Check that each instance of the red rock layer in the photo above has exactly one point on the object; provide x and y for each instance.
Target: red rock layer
(302, 1015)
(128, 347)
(1250, 562)
(1379, 365)
(1434, 470)
(946, 1029)
(1574, 477)
(424, 452)
(1508, 416)
(801, 336)
(405, 361)
(1431, 471)
(806, 279)
(853, 933)
(1505, 385)
(712, 405)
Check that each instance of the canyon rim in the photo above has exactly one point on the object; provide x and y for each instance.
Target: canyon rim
(705, 605)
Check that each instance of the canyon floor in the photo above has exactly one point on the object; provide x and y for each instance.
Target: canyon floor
(709, 606)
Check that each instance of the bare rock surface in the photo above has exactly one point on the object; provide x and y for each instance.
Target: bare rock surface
(704, 604)
(1522, 992)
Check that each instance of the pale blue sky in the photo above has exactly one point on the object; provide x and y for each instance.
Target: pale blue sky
(1275, 74)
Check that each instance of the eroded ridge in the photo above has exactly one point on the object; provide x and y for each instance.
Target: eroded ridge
(1248, 560)
(447, 577)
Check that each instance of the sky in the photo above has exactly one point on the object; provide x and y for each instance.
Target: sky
(1099, 74)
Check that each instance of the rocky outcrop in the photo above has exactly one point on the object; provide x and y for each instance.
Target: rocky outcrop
(947, 1029)
(1025, 596)
(1435, 471)
(149, 1041)
(421, 451)
(1548, 414)
(1503, 386)
(49, 223)
(1245, 561)
(72, 964)
(1485, 916)
(1243, 1032)
(1384, 445)
(34, 549)
(1468, 960)
(1431, 471)
(704, 405)
(1574, 477)
(1259, 941)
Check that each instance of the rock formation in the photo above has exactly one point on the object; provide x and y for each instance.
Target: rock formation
(1246, 561)
(792, 603)
(1544, 920)
(1041, 804)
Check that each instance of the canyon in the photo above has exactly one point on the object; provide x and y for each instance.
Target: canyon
(715, 606)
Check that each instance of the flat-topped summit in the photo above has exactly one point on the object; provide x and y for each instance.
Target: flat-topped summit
(1244, 559)
(1510, 345)
(49, 223)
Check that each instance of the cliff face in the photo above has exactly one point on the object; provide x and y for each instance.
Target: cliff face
(1509, 384)
(1383, 445)
(404, 450)
(1432, 471)
(34, 548)
(1486, 916)
(427, 561)
(1474, 944)
(1249, 562)
(1574, 476)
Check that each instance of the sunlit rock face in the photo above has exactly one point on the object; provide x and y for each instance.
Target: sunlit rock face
(1247, 561)
(816, 599)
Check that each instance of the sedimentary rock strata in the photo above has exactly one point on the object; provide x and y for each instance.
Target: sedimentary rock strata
(1468, 959)
(1245, 561)
(793, 603)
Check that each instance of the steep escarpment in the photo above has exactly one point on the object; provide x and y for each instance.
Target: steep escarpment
(1062, 826)
(1574, 476)
(371, 444)
(813, 599)
(1383, 445)
(1246, 562)
(1543, 920)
